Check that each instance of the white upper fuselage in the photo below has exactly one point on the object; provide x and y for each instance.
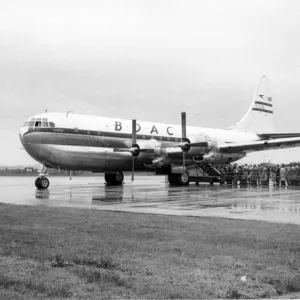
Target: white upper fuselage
(151, 129)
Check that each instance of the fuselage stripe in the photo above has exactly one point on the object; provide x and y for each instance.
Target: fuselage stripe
(103, 134)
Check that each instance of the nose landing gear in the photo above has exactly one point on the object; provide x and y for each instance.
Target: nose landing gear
(42, 183)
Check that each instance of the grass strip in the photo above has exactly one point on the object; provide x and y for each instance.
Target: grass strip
(86, 254)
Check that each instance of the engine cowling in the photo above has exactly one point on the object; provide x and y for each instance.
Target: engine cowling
(148, 149)
(203, 145)
(218, 158)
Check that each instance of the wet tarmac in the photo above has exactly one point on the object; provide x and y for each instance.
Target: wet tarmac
(152, 194)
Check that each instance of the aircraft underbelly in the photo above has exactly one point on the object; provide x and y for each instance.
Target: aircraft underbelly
(82, 158)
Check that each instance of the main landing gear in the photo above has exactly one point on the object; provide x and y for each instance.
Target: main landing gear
(116, 178)
(178, 179)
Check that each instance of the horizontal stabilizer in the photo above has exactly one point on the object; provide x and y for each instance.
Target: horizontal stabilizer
(272, 144)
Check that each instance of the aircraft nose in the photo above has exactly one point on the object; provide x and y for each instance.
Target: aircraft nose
(22, 131)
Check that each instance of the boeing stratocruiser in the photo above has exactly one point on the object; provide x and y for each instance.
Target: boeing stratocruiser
(81, 142)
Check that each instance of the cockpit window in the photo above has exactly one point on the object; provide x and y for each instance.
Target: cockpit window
(31, 122)
(51, 124)
(37, 122)
(45, 122)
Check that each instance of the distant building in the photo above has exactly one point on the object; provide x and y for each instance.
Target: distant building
(28, 170)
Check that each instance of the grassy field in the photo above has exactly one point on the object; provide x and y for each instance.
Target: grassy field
(62, 253)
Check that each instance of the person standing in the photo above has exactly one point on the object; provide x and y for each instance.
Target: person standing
(283, 176)
(277, 174)
(292, 175)
(264, 176)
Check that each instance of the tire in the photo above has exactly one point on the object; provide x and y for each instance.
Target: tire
(178, 179)
(38, 183)
(119, 178)
(42, 183)
(114, 179)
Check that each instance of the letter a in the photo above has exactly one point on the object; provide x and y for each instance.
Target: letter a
(154, 129)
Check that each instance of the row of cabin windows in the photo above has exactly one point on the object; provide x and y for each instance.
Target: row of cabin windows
(39, 122)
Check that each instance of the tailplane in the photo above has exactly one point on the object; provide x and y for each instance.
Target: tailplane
(259, 117)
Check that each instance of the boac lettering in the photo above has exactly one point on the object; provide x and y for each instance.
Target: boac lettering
(118, 126)
(154, 130)
(168, 131)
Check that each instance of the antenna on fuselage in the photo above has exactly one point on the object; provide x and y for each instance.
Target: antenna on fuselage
(67, 113)
(46, 110)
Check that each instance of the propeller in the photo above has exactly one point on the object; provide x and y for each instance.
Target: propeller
(185, 143)
(135, 149)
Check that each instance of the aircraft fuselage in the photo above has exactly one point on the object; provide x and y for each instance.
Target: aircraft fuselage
(82, 142)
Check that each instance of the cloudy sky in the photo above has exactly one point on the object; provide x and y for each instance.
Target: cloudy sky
(147, 60)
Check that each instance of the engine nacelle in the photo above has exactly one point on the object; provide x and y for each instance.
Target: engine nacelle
(149, 149)
(218, 158)
(205, 145)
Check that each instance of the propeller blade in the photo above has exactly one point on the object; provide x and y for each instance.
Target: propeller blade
(147, 150)
(133, 145)
(183, 135)
(200, 144)
(183, 125)
(133, 132)
(132, 171)
(121, 150)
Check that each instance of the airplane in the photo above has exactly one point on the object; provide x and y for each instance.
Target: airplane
(68, 141)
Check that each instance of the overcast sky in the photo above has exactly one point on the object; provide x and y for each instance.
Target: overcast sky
(147, 60)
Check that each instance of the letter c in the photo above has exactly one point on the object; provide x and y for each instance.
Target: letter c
(168, 131)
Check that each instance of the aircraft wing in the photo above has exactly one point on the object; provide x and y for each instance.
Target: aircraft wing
(276, 143)
(266, 136)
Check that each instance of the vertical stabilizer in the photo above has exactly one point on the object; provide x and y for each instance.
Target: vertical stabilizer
(259, 117)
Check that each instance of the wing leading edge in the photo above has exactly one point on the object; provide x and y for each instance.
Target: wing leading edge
(275, 143)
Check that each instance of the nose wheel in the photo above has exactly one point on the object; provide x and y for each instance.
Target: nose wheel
(42, 183)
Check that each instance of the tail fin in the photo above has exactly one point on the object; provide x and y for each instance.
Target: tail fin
(259, 117)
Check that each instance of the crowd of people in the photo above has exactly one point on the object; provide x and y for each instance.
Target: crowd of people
(261, 174)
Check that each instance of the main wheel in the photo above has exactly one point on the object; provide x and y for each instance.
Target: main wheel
(119, 177)
(114, 178)
(178, 179)
(42, 183)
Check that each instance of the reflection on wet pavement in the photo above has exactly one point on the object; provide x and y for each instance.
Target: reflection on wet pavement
(153, 195)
